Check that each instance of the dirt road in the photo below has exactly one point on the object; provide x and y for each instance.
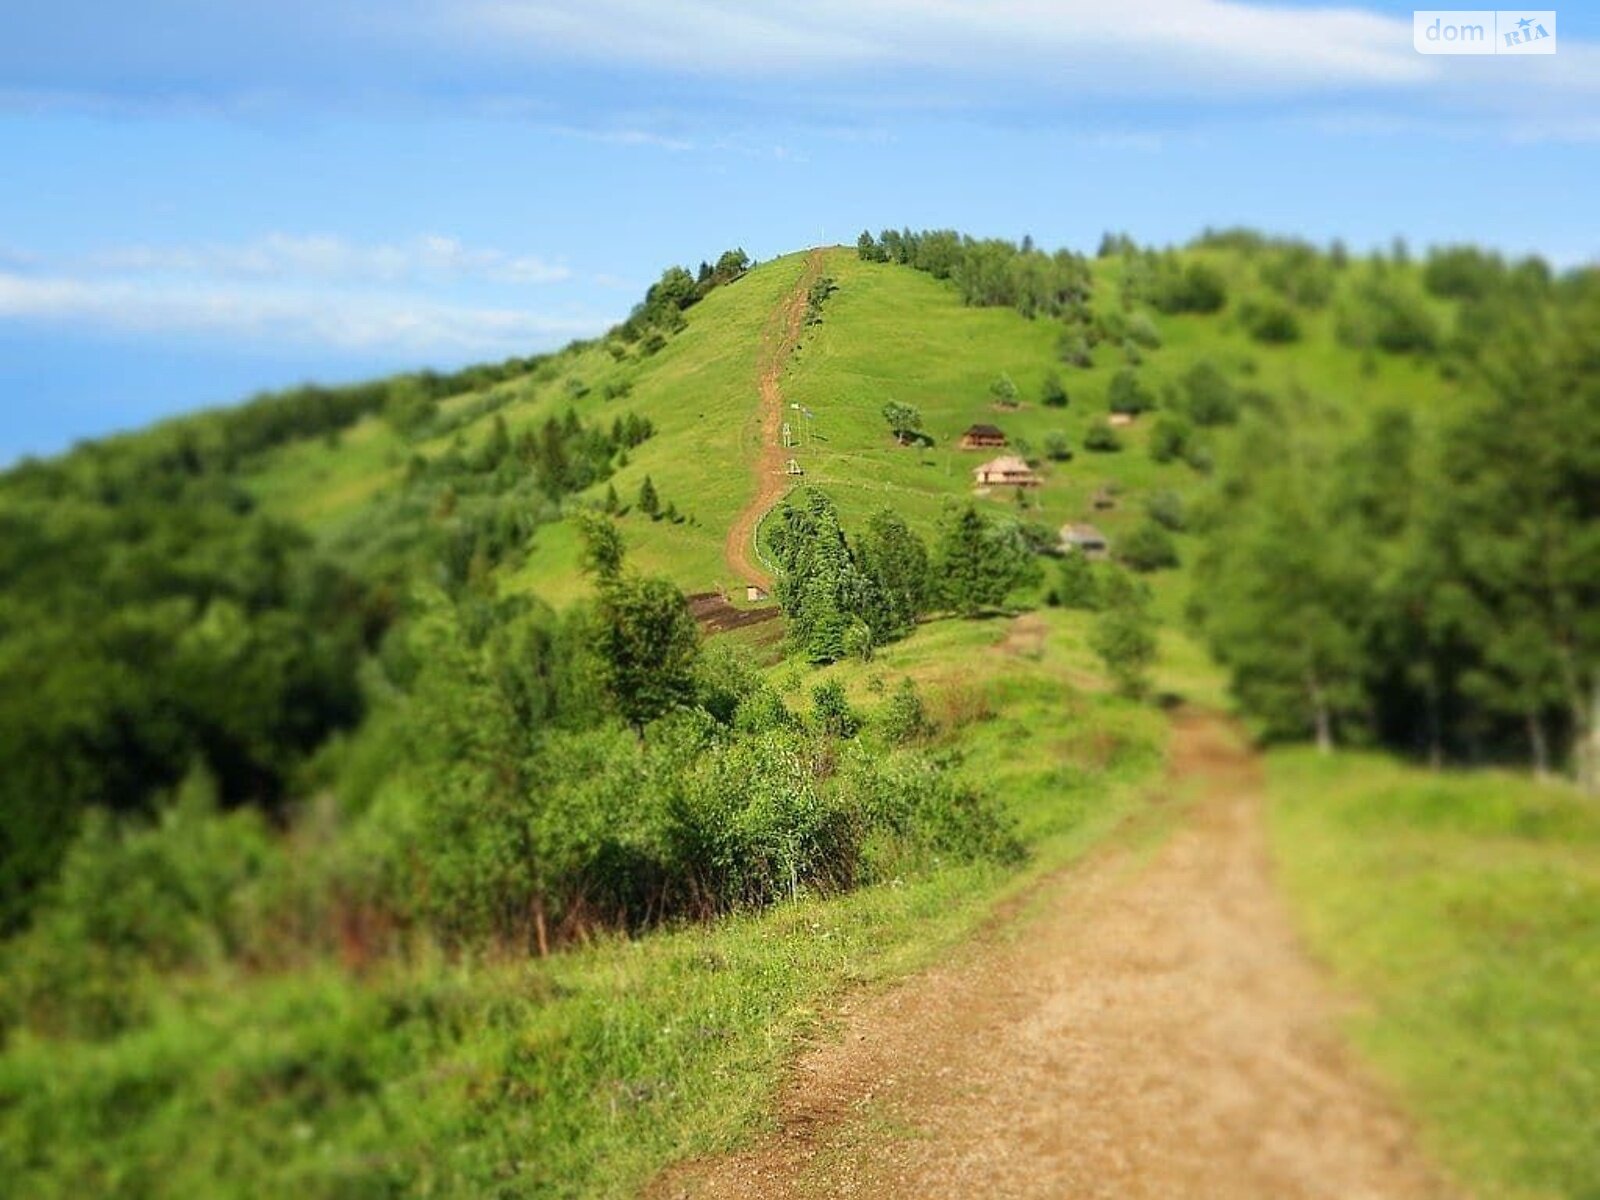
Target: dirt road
(778, 341)
(1148, 1027)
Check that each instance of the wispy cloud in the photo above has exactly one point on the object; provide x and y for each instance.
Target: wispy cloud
(368, 321)
(329, 258)
(523, 59)
(1078, 45)
(428, 294)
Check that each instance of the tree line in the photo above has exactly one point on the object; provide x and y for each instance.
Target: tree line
(1431, 586)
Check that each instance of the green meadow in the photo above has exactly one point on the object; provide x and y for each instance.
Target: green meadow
(1462, 912)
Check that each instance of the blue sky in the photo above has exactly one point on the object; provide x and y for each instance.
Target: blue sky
(202, 199)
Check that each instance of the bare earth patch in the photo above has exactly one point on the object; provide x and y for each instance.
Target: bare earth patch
(1149, 1027)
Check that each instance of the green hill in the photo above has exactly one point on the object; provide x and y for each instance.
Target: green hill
(376, 820)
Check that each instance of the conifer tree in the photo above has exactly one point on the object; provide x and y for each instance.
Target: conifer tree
(649, 502)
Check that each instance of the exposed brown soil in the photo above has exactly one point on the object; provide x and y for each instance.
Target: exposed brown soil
(778, 340)
(1147, 1027)
(716, 615)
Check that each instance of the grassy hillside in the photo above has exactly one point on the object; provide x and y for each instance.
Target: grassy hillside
(886, 333)
(340, 1000)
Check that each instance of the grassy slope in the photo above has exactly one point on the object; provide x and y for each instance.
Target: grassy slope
(1465, 911)
(583, 1074)
(580, 1075)
(888, 333)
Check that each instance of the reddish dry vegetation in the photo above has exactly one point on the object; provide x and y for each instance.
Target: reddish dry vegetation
(1149, 1027)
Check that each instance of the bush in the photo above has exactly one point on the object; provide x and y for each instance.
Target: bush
(1102, 439)
(1169, 439)
(1073, 349)
(1196, 288)
(1124, 635)
(1149, 548)
(1270, 321)
(129, 898)
(1056, 446)
(1128, 394)
(1078, 586)
(904, 717)
(1208, 396)
(1166, 510)
(831, 709)
(1142, 331)
(1003, 391)
(915, 810)
(1390, 317)
(1053, 395)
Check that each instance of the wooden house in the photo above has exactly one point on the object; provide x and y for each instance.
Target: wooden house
(983, 437)
(1006, 471)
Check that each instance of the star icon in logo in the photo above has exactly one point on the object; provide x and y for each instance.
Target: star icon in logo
(1524, 23)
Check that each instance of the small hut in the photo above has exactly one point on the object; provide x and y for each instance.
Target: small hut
(983, 437)
(792, 467)
(755, 593)
(1006, 471)
(1085, 539)
(1120, 420)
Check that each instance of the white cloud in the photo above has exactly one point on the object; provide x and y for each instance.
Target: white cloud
(328, 258)
(352, 320)
(1133, 47)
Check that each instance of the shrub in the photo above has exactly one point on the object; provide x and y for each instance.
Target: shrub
(1149, 548)
(904, 717)
(129, 898)
(1208, 396)
(1056, 446)
(1128, 394)
(1124, 635)
(1073, 349)
(1102, 439)
(1142, 331)
(1078, 586)
(915, 810)
(1196, 288)
(831, 709)
(752, 823)
(1169, 439)
(1390, 317)
(1270, 321)
(1053, 395)
(1166, 509)
(1003, 391)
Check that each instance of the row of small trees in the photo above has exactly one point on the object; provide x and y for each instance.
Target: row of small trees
(844, 596)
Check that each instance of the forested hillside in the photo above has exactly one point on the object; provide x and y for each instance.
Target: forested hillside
(347, 703)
